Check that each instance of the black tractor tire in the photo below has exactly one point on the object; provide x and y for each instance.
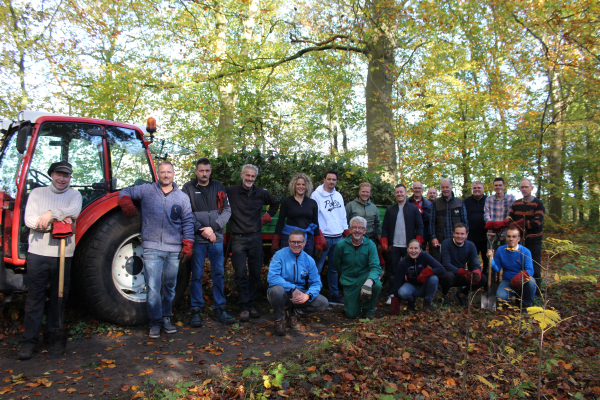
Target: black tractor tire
(95, 257)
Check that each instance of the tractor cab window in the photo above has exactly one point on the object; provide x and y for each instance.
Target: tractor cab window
(129, 161)
(80, 145)
(8, 166)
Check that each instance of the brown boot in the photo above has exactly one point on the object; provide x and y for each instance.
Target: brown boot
(293, 321)
(280, 327)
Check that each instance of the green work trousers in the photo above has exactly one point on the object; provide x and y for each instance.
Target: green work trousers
(353, 302)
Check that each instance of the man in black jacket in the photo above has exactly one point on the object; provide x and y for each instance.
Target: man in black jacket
(401, 224)
(477, 234)
(211, 212)
(246, 202)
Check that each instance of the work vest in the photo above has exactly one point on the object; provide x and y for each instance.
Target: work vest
(441, 206)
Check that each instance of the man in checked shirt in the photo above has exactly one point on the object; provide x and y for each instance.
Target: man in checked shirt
(496, 211)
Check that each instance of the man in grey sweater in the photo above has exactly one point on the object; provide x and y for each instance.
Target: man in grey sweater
(167, 238)
(56, 203)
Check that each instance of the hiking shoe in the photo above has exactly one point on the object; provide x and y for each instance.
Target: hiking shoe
(26, 352)
(167, 326)
(280, 327)
(336, 300)
(196, 321)
(154, 332)
(244, 316)
(293, 321)
(221, 316)
(427, 306)
(389, 299)
(411, 307)
(254, 313)
(446, 300)
(460, 300)
(370, 316)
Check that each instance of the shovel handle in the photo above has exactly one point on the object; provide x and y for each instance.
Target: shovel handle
(61, 269)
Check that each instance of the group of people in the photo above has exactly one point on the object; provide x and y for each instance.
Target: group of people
(314, 226)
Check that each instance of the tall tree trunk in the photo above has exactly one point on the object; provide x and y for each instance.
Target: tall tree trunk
(555, 154)
(593, 180)
(381, 145)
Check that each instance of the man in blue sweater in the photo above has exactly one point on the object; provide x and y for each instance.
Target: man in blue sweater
(514, 259)
(167, 239)
(459, 258)
(294, 284)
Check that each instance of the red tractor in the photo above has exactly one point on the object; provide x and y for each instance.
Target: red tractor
(106, 157)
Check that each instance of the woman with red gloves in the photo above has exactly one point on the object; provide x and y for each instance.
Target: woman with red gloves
(299, 211)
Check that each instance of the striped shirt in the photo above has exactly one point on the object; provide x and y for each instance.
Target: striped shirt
(533, 211)
(62, 205)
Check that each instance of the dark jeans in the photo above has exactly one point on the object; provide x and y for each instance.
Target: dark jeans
(215, 255)
(309, 248)
(436, 252)
(160, 272)
(279, 299)
(482, 247)
(396, 254)
(41, 271)
(536, 254)
(410, 292)
(332, 275)
(247, 279)
(453, 280)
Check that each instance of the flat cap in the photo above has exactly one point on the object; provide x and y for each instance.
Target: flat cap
(61, 166)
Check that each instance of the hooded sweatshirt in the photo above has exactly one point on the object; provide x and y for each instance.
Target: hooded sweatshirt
(332, 214)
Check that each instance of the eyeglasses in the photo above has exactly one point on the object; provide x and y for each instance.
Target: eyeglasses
(357, 228)
(295, 243)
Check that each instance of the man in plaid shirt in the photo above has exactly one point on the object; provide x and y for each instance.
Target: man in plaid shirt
(496, 211)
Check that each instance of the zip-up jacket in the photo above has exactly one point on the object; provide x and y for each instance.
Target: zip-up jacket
(409, 269)
(291, 271)
(246, 208)
(356, 264)
(332, 213)
(425, 216)
(204, 208)
(166, 218)
(455, 257)
(413, 223)
(369, 212)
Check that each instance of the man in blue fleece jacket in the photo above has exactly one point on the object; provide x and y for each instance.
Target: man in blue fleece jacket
(513, 258)
(294, 284)
(167, 238)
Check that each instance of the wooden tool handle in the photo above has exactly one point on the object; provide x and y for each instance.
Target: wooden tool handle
(61, 269)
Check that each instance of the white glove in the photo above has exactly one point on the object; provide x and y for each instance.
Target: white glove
(367, 290)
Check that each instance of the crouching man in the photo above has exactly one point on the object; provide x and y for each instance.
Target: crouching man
(420, 273)
(294, 284)
(359, 270)
(515, 261)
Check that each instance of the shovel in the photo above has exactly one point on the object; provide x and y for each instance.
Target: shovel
(60, 334)
(488, 299)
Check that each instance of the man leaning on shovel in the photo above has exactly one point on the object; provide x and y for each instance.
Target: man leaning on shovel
(50, 210)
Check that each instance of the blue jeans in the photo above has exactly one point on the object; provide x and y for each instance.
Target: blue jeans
(215, 256)
(332, 275)
(160, 272)
(247, 279)
(410, 292)
(506, 293)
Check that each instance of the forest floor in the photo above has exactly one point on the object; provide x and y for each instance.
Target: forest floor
(411, 356)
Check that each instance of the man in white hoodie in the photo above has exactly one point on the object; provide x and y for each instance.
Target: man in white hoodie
(333, 224)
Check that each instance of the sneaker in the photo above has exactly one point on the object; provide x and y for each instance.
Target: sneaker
(254, 313)
(389, 299)
(167, 326)
(244, 316)
(195, 321)
(26, 352)
(427, 306)
(293, 321)
(460, 300)
(336, 300)
(279, 327)
(221, 316)
(154, 332)
(411, 307)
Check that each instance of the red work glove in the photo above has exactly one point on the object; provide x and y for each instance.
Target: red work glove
(345, 233)
(318, 253)
(275, 245)
(384, 244)
(421, 240)
(520, 223)
(519, 279)
(463, 273)
(186, 251)
(426, 273)
(488, 226)
(500, 224)
(220, 201)
(62, 230)
(475, 276)
(127, 206)
(323, 241)
(265, 219)
(395, 307)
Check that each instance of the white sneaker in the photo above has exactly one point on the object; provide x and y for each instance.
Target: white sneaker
(389, 300)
